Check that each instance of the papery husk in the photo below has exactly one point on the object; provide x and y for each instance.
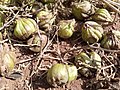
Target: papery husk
(110, 41)
(96, 60)
(82, 10)
(25, 27)
(40, 41)
(66, 28)
(82, 57)
(45, 19)
(72, 72)
(102, 16)
(92, 59)
(60, 74)
(7, 60)
(57, 75)
(91, 32)
(116, 33)
(88, 63)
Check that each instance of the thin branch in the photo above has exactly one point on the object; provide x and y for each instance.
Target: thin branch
(24, 45)
(3, 7)
(24, 61)
(6, 24)
(3, 41)
(91, 46)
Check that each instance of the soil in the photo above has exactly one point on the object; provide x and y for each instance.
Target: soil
(33, 66)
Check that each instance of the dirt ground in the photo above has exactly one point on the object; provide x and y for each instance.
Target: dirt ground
(33, 66)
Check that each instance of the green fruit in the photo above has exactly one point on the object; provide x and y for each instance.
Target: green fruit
(24, 28)
(91, 32)
(45, 18)
(102, 16)
(72, 73)
(92, 59)
(60, 74)
(2, 19)
(82, 10)
(57, 75)
(89, 60)
(66, 28)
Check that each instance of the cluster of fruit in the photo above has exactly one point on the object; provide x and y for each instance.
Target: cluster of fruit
(92, 31)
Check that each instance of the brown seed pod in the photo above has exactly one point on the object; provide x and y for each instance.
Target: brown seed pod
(111, 40)
(40, 41)
(84, 71)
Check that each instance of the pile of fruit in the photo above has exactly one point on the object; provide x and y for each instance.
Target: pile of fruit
(35, 24)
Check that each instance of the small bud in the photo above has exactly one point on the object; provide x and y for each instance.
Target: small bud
(24, 28)
(102, 16)
(91, 32)
(82, 10)
(66, 28)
